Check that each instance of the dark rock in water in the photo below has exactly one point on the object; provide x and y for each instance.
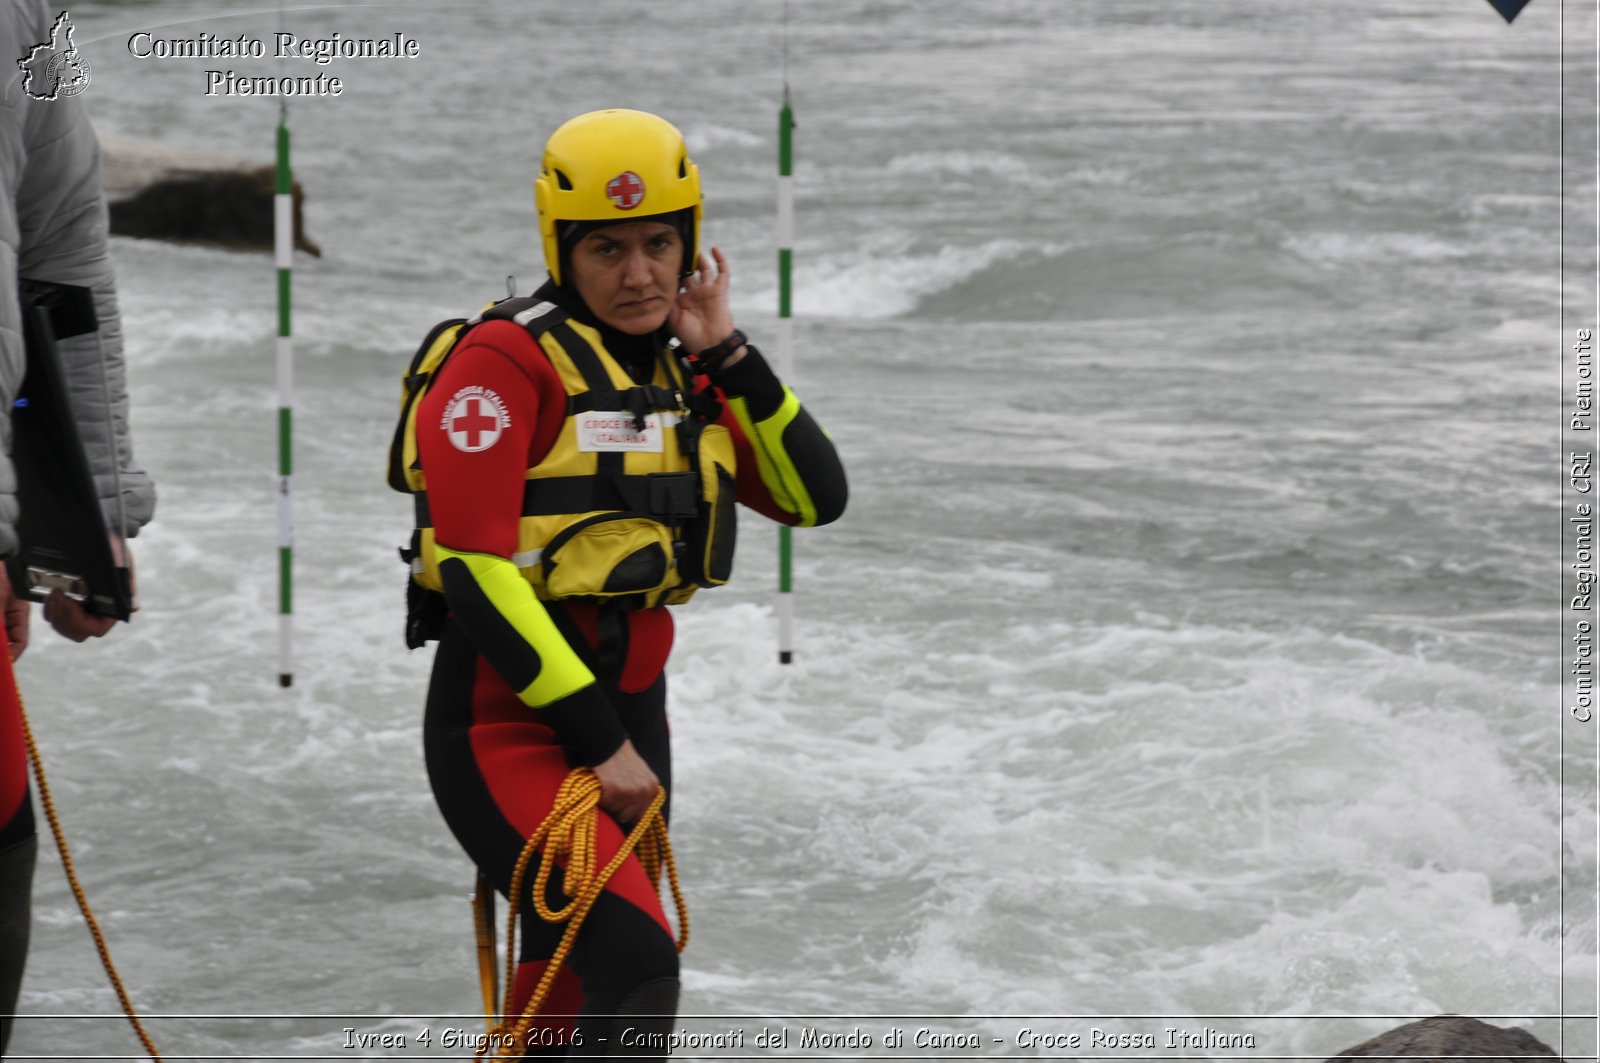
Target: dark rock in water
(164, 194)
(1447, 1038)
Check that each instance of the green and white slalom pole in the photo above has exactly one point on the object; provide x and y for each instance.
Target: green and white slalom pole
(785, 358)
(283, 244)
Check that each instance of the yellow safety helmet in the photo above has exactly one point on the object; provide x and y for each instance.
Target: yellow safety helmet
(615, 165)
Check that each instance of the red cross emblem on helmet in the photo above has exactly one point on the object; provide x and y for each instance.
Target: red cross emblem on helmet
(625, 190)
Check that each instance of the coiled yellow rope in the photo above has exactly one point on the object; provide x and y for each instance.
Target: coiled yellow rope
(77, 888)
(569, 832)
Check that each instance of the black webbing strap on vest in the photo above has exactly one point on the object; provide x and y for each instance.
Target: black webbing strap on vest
(670, 496)
(648, 395)
(602, 392)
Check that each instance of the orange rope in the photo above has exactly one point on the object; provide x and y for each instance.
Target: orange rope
(569, 831)
(77, 888)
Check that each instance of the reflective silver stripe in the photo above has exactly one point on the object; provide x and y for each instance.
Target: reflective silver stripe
(416, 565)
(537, 310)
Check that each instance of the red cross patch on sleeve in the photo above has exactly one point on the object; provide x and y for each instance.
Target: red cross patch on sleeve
(474, 419)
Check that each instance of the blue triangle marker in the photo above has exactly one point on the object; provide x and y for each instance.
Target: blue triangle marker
(1509, 9)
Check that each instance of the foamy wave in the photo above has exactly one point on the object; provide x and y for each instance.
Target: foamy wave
(870, 284)
(702, 135)
(1336, 248)
(155, 332)
(1352, 955)
(1150, 773)
(965, 164)
(1500, 205)
(1011, 170)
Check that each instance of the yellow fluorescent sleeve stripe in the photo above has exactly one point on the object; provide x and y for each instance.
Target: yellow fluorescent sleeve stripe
(561, 672)
(778, 473)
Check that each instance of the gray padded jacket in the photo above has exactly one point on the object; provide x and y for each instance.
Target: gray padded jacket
(53, 227)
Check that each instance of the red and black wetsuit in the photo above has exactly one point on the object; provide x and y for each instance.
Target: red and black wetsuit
(494, 762)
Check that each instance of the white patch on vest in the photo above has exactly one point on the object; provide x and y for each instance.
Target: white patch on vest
(605, 430)
(475, 418)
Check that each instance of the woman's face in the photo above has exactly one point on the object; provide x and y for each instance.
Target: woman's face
(628, 274)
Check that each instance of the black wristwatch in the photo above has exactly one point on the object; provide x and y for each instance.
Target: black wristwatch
(711, 359)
